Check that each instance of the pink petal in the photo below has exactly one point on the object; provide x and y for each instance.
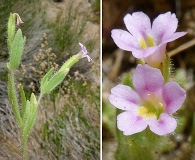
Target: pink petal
(124, 39)
(174, 36)
(83, 49)
(147, 79)
(164, 125)
(137, 23)
(142, 53)
(130, 123)
(155, 59)
(164, 25)
(173, 96)
(123, 97)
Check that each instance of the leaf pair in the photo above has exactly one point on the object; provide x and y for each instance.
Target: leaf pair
(29, 114)
(48, 84)
(16, 43)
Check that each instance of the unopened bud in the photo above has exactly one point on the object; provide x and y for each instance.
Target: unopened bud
(19, 21)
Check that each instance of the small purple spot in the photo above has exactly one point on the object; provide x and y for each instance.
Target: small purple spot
(138, 118)
(161, 122)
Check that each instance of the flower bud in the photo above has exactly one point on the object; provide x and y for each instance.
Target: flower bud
(18, 19)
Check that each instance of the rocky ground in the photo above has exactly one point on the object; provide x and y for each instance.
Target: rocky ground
(39, 16)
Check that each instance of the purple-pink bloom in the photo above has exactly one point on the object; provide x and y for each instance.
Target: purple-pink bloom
(85, 52)
(152, 103)
(147, 41)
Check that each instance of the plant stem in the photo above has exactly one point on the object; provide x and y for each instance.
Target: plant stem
(13, 97)
(24, 147)
(16, 111)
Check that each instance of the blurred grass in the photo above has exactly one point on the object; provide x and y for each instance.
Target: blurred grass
(6, 7)
(96, 6)
(68, 30)
(73, 131)
(96, 9)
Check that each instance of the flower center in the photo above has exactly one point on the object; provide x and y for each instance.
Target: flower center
(152, 106)
(147, 42)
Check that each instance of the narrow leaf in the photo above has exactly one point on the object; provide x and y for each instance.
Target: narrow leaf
(23, 100)
(33, 103)
(16, 50)
(26, 113)
(47, 76)
(55, 81)
(13, 98)
(32, 116)
(11, 29)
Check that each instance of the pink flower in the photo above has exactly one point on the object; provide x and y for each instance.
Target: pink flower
(152, 103)
(146, 41)
(85, 52)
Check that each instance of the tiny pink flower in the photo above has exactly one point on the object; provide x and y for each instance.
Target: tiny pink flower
(19, 20)
(147, 42)
(152, 103)
(85, 52)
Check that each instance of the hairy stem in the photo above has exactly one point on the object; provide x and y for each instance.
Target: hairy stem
(24, 146)
(13, 97)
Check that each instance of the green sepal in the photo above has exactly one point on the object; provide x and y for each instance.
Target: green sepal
(128, 80)
(54, 81)
(140, 61)
(70, 62)
(16, 50)
(165, 67)
(11, 28)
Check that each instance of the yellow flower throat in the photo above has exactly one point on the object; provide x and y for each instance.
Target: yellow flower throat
(147, 42)
(153, 106)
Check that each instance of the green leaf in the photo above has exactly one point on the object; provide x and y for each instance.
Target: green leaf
(33, 103)
(44, 80)
(23, 100)
(54, 81)
(11, 29)
(26, 113)
(16, 50)
(31, 115)
(13, 98)
(33, 112)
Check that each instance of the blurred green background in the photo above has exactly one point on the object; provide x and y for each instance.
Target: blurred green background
(69, 118)
(117, 64)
